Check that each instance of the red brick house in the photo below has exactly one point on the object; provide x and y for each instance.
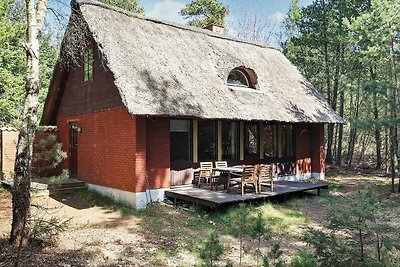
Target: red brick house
(151, 99)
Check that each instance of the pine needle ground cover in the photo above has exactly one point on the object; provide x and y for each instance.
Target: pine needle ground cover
(104, 232)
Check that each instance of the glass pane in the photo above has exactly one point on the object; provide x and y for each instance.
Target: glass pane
(180, 140)
(269, 140)
(230, 140)
(88, 65)
(289, 141)
(206, 140)
(251, 138)
(237, 78)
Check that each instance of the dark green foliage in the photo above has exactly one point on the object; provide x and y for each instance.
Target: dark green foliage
(211, 249)
(12, 62)
(303, 259)
(128, 5)
(205, 12)
(347, 49)
(259, 231)
(48, 153)
(360, 233)
(241, 227)
(273, 258)
(13, 65)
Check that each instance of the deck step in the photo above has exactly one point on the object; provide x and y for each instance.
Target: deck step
(66, 190)
(66, 185)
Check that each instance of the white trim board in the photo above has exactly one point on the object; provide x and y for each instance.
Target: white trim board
(137, 200)
(302, 176)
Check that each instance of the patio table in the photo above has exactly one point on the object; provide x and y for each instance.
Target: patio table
(234, 170)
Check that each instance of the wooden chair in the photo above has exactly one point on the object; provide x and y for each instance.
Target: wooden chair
(218, 179)
(205, 173)
(265, 176)
(249, 177)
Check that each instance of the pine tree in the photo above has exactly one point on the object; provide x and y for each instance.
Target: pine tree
(205, 12)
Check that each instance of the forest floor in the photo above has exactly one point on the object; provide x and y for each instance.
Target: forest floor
(101, 232)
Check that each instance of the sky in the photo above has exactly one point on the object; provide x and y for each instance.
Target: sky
(272, 11)
(169, 9)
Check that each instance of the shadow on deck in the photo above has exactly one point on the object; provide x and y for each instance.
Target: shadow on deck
(215, 199)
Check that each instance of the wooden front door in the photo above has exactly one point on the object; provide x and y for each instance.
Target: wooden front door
(73, 149)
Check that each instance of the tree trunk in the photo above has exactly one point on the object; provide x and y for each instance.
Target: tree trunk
(328, 157)
(353, 130)
(393, 115)
(22, 167)
(340, 137)
(378, 140)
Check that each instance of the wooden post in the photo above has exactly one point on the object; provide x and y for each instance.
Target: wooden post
(241, 138)
(219, 140)
(195, 141)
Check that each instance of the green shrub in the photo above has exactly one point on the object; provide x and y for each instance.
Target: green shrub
(211, 249)
(59, 179)
(359, 233)
(303, 259)
(44, 232)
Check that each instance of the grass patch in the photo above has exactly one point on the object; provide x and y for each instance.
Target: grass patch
(333, 187)
(284, 221)
(280, 219)
(105, 202)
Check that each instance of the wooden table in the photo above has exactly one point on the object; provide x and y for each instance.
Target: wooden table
(234, 170)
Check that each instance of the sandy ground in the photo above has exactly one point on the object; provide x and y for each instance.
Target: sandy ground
(97, 236)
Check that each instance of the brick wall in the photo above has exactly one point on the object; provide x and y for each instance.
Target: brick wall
(107, 151)
(119, 151)
(8, 147)
(158, 152)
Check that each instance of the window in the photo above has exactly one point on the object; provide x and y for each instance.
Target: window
(206, 140)
(238, 78)
(287, 142)
(180, 140)
(270, 146)
(278, 141)
(251, 139)
(88, 65)
(230, 140)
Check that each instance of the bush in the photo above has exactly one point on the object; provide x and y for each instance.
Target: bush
(58, 179)
(273, 258)
(45, 232)
(360, 233)
(303, 259)
(211, 249)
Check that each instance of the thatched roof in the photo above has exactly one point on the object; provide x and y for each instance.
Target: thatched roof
(166, 69)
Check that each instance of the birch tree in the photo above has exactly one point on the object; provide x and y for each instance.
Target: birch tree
(35, 15)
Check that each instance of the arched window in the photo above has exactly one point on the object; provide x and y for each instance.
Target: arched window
(238, 77)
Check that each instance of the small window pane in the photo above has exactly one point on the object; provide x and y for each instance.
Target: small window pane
(251, 139)
(238, 78)
(230, 140)
(88, 65)
(206, 140)
(180, 139)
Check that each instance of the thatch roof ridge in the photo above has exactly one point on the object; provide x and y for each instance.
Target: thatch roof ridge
(172, 24)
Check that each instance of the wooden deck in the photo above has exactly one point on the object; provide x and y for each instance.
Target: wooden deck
(214, 199)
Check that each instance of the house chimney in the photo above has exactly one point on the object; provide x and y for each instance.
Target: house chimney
(215, 28)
